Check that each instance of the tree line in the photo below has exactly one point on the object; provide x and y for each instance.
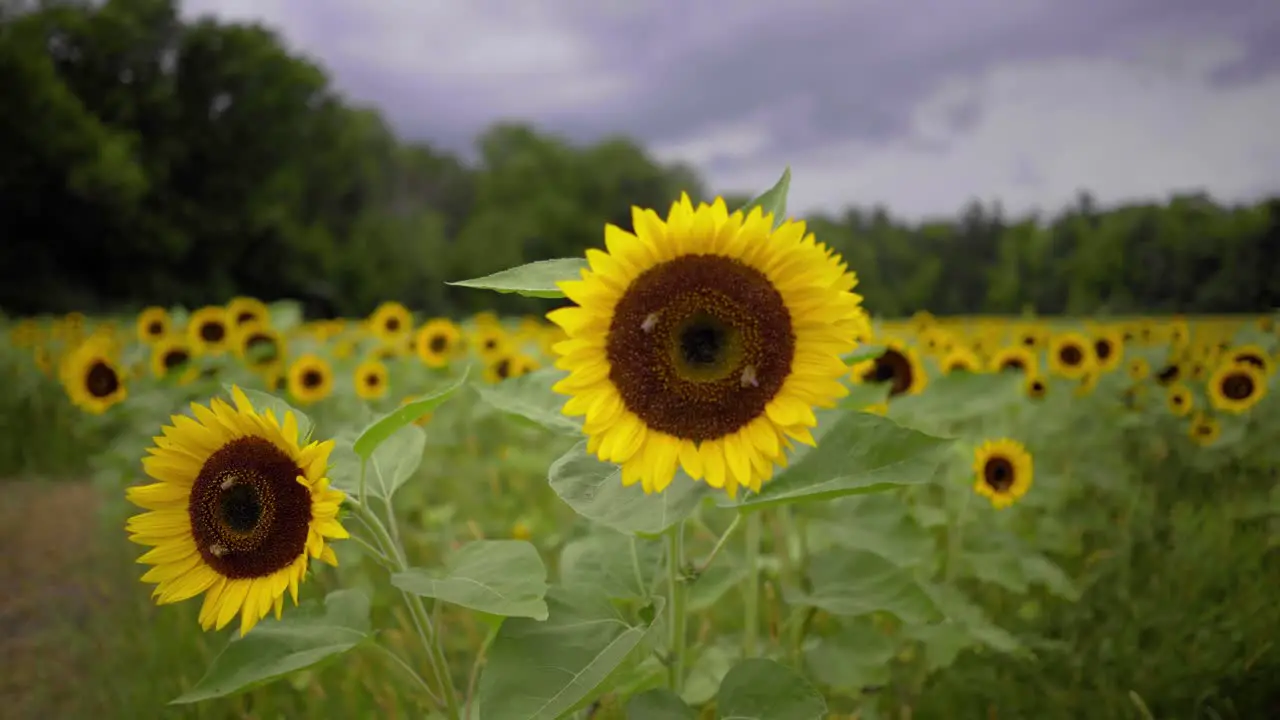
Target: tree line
(145, 159)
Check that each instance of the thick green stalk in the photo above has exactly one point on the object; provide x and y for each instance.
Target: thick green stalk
(679, 591)
(751, 612)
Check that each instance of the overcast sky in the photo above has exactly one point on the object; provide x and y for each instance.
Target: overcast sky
(916, 104)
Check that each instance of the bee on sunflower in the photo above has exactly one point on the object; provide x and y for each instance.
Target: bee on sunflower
(703, 342)
(1236, 386)
(92, 378)
(1004, 471)
(238, 507)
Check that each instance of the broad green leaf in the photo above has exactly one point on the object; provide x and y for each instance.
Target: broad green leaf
(712, 585)
(499, 577)
(855, 582)
(344, 464)
(266, 401)
(531, 397)
(863, 395)
(659, 704)
(773, 200)
(621, 566)
(303, 637)
(594, 490)
(856, 657)
(404, 416)
(966, 625)
(536, 280)
(395, 461)
(710, 664)
(760, 689)
(880, 523)
(862, 453)
(545, 670)
(863, 353)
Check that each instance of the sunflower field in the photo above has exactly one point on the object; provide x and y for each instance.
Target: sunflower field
(708, 483)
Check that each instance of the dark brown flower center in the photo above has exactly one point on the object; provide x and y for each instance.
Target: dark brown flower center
(1249, 358)
(998, 474)
(699, 345)
(1070, 355)
(155, 328)
(1168, 374)
(894, 368)
(101, 380)
(174, 358)
(1238, 386)
(212, 332)
(1102, 348)
(502, 369)
(438, 343)
(249, 514)
(262, 348)
(312, 379)
(245, 316)
(392, 324)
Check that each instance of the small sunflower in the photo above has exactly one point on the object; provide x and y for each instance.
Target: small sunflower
(1070, 355)
(1108, 349)
(1035, 387)
(243, 311)
(171, 358)
(490, 341)
(1204, 430)
(509, 366)
(310, 378)
(1004, 471)
(371, 380)
(207, 330)
(1015, 358)
(901, 368)
(1138, 369)
(1179, 400)
(92, 379)
(436, 342)
(153, 324)
(704, 342)
(961, 359)
(391, 322)
(1169, 374)
(1236, 386)
(238, 509)
(259, 346)
(1254, 355)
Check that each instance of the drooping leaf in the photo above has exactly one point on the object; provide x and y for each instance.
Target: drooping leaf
(536, 280)
(760, 689)
(386, 426)
(594, 490)
(530, 396)
(544, 670)
(499, 577)
(394, 462)
(303, 637)
(659, 704)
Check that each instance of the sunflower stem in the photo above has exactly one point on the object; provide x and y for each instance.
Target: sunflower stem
(679, 590)
(724, 537)
(751, 609)
(408, 669)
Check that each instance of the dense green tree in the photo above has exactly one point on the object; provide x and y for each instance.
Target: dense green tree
(146, 159)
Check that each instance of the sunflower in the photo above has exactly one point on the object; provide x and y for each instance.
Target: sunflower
(1178, 400)
(509, 366)
(1035, 387)
(899, 366)
(371, 379)
(171, 358)
(1236, 386)
(1032, 338)
(310, 378)
(243, 311)
(1253, 355)
(960, 358)
(1015, 358)
(1204, 430)
(1070, 355)
(92, 379)
(436, 342)
(153, 324)
(703, 343)
(207, 330)
(490, 341)
(238, 509)
(1004, 471)
(391, 322)
(259, 346)
(1138, 369)
(1108, 349)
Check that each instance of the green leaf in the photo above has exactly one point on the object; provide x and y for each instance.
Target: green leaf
(395, 461)
(855, 582)
(545, 670)
(879, 523)
(594, 490)
(499, 577)
(605, 561)
(760, 689)
(302, 638)
(773, 200)
(659, 704)
(862, 453)
(710, 666)
(266, 401)
(531, 397)
(857, 656)
(404, 416)
(862, 354)
(536, 280)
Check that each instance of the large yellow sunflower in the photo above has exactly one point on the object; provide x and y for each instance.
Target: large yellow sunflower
(310, 378)
(436, 342)
(1236, 386)
(92, 378)
(704, 342)
(207, 330)
(153, 324)
(1004, 471)
(238, 509)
